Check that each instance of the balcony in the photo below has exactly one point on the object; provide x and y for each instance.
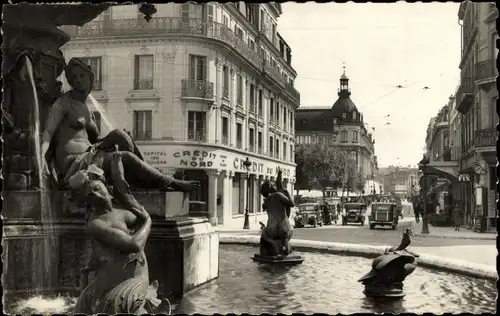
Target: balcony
(451, 154)
(197, 136)
(259, 151)
(486, 72)
(465, 94)
(238, 144)
(197, 90)
(486, 138)
(251, 148)
(225, 140)
(158, 26)
(225, 92)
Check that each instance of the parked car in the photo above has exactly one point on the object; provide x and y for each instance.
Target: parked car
(308, 214)
(355, 213)
(383, 214)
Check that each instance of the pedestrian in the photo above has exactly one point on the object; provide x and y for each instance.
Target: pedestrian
(417, 211)
(457, 217)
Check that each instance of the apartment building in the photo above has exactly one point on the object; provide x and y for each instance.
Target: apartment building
(202, 88)
(476, 100)
(339, 125)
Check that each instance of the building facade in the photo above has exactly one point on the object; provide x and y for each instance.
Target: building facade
(202, 88)
(476, 101)
(397, 180)
(339, 125)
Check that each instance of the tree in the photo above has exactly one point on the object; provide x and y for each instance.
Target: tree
(360, 182)
(322, 165)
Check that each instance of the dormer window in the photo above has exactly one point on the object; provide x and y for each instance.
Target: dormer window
(344, 115)
(354, 115)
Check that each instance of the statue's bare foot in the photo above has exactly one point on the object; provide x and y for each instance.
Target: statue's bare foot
(187, 186)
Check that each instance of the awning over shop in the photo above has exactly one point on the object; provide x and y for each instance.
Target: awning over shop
(445, 169)
(442, 186)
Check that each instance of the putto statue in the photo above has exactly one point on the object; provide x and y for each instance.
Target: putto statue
(390, 270)
(275, 239)
(117, 261)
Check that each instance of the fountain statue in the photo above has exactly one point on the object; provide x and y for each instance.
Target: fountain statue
(390, 270)
(45, 241)
(275, 237)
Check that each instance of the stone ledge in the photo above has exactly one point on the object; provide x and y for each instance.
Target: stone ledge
(482, 236)
(425, 260)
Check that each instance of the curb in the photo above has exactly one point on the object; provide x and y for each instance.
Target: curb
(491, 237)
(368, 251)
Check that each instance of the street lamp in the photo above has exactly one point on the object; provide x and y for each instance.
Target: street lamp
(421, 166)
(247, 164)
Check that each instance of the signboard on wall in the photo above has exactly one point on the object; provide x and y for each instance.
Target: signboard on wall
(200, 157)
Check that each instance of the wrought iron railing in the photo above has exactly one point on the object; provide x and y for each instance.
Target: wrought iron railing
(238, 144)
(485, 137)
(251, 148)
(97, 85)
(178, 25)
(143, 84)
(198, 136)
(225, 140)
(197, 89)
(486, 69)
(259, 150)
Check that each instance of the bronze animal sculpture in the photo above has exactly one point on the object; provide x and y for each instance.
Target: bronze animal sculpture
(389, 270)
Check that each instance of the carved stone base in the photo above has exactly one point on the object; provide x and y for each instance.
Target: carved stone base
(183, 253)
(394, 290)
(291, 259)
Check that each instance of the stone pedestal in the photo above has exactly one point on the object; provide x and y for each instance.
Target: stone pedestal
(183, 253)
(162, 205)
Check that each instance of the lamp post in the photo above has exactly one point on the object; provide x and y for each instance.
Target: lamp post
(421, 166)
(246, 224)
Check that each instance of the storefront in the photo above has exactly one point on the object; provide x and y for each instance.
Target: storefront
(225, 181)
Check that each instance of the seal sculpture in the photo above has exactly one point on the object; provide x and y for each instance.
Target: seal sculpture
(275, 237)
(390, 270)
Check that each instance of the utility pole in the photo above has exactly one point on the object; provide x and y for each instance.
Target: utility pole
(421, 165)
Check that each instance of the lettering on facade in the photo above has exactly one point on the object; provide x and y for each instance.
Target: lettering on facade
(155, 157)
(464, 178)
(195, 158)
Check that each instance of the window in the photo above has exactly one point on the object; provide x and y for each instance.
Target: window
(259, 142)
(271, 145)
(143, 72)
(493, 113)
(196, 126)
(291, 153)
(225, 130)
(271, 110)
(251, 43)
(225, 82)
(285, 125)
(238, 32)
(354, 136)
(277, 113)
(277, 148)
(252, 97)
(210, 12)
(97, 119)
(343, 136)
(251, 139)
(239, 135)
(142, 125)
(261, 106)
(197, 67)
(240, 90)
(95, 65)
(285, 157)
(191, 12)
(225, 20)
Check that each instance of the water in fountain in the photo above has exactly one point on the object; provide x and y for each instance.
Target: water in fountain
(44, 279)
(102, 112)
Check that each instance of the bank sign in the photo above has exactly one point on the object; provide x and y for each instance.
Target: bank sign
(191, 157)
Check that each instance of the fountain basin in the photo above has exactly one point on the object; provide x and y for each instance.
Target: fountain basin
(324, 283)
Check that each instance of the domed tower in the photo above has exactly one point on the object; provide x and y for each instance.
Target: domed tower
(344, 91)
(344, 110)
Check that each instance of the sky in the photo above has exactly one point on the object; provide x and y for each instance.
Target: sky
(383, 45)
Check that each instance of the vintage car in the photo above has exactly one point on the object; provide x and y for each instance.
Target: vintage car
(354, 213)
(309, 214)
(383, 214)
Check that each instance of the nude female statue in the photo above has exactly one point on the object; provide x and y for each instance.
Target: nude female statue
(71, 139)
(278, 231)
(121, 281)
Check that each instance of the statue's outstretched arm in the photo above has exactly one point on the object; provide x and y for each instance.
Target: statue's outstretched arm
(118, 238)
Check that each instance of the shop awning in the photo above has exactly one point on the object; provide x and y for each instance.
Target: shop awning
(443, 186)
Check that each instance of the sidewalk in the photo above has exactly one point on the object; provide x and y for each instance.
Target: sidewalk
(486, 255)
(449, 232)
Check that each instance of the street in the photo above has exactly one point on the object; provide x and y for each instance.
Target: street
(356, 234)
